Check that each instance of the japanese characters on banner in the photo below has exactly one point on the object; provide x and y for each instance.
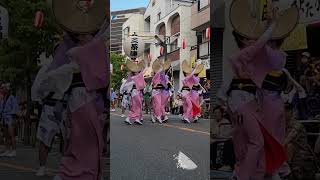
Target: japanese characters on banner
(133, 47)
(309, 14)
(309, 9)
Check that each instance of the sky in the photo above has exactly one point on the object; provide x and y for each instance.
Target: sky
(117, 5)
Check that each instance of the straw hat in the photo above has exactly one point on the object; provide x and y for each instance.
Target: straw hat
(80, 16)
(134, 66)
(186, 66)
(156, 65)
(167, 65)
(250, 26)
(199, 68)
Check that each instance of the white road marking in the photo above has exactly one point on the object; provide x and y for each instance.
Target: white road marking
(184, 162)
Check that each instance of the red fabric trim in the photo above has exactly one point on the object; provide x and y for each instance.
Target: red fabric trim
(275, 153)
(195, 109)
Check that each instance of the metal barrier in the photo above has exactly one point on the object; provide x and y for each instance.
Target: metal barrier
(311, 121)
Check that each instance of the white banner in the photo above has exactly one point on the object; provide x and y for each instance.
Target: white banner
(309, 9)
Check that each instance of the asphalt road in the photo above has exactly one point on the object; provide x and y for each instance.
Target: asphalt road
(146, 152)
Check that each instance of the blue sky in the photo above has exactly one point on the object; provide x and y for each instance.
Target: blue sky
(117, 5)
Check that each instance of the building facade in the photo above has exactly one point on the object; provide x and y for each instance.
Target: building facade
(200, 23)
(170, 20)
(117, 20)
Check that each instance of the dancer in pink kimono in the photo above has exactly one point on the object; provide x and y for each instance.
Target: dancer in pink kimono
(258, 152)
(160, 91)
(138, 83)
(167, 92)
(190, 107)
(197, 90)
(79, 74)
(81, 79)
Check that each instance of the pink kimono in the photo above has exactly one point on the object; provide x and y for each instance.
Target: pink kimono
(83, 153)
(258, 151)
(190, 108)
(135, 112)
(195, 94)
(157, 97)
(165, 95)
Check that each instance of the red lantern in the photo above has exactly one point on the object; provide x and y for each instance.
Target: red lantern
(38, 20)
(184, 44)
(208, 33)
(161, 51)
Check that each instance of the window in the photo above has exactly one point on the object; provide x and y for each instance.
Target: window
(162, 30)
(159, 16)
(204, 37)
(201, 37)
(175, 25)
(126, 31)
(202, 4)
(174, 45)
(121, 16)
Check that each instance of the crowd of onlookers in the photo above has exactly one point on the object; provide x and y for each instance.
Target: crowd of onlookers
(308, 75)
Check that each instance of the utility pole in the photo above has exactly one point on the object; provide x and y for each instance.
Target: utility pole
(164, 43)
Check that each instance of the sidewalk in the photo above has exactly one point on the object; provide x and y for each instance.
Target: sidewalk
(25, 165)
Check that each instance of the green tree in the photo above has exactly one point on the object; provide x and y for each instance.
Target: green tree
(117, 75)
(19, 54)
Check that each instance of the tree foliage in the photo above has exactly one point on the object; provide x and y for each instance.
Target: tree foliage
(20, 53)
(117, 75)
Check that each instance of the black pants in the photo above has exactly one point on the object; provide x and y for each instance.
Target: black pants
(228, 157)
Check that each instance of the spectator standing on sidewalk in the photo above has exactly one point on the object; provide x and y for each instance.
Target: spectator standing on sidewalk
(9, 109)
(221, 145)
(113, 100)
